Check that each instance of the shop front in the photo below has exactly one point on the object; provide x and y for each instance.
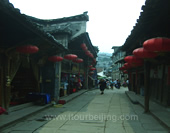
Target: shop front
(71, 78)
(24, 82)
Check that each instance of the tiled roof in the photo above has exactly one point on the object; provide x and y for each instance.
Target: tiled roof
(154, 21)
(81, 17)
(82, 38)
(8, 8)
(62, 29)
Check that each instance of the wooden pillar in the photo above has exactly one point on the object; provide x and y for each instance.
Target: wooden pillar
(7, 84)
(147, 85)
(130, 81)
(57, 81)
(2, 88)
(136, 82)
(163, 82)
(86, 78)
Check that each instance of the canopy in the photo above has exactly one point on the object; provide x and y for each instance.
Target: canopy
(101, 75)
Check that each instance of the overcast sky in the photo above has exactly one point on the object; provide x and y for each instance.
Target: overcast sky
(110, 21)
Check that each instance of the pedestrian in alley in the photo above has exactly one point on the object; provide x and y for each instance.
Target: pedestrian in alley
(102, 85)
(117, 85)
(128, 85)
(111, 84)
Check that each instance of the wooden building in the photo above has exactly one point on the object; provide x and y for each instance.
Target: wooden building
(152, 78)
(26, 43)
(71, 32)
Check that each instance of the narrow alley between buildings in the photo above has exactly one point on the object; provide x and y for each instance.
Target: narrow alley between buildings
(91, 112)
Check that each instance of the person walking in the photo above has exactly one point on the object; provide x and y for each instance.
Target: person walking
(128, 85)
(118, 84)
(102, 85)
(111, 84)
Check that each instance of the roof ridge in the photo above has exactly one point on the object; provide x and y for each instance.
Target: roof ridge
(79, 17)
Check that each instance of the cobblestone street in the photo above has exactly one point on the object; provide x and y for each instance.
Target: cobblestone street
(92, 113)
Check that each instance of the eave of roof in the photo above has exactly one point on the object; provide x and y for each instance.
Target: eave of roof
(8, 8)
(153, 22)
(82, 38)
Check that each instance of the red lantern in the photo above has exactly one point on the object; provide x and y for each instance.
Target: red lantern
(55, 58)
(143, 53)
(92, 68)
(70, 56)
(120, 68)
(87, 52)
(125, 71)
(27, 49)
(131, 65)
(91, 55)
(133, 60)
(83, 46)
(157, 44)
(127, 65)
(78, 60)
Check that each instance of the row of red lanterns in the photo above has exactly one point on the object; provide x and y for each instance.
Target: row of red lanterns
(71, 57)
(131, 61)
(30, 49)
(91, 68)
(150, 49)
(85, 49)
(87, 52)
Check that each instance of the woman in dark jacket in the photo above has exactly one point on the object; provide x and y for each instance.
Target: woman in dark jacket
(102, 84)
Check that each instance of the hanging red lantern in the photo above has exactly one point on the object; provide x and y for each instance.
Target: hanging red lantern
(78, 60)
(131, 65)
(27, 49)
(83, 46)
(90, 66)
(70, 56)
(143, 53)
(127, 65)
(133, 60)
(159, 44)
(91, 69)
(123, 68)
(87, 52)
(55, 58)
(120, 68)
(91, 55)
(125, 71)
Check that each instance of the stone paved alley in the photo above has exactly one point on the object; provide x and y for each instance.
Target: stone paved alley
(92, 113)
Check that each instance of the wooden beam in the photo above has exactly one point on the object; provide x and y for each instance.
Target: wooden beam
(147, 84)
